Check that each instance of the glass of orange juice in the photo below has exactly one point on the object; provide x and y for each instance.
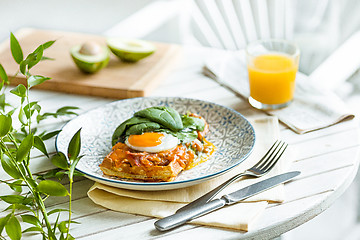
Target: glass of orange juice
(272, 66)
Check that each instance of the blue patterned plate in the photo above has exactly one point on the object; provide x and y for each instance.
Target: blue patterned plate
(230, 132)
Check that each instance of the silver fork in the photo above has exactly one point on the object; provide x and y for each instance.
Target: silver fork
(266, 163)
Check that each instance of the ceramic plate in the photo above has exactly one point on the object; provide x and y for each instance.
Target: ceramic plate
(230, 132)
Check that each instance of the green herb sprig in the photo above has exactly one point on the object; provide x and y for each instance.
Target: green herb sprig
(27, 204)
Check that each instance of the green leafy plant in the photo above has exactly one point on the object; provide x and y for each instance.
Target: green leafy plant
(27, 203)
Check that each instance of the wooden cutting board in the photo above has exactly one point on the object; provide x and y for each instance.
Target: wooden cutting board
(118, 80)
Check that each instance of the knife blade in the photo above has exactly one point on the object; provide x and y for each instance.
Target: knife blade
(186, 215)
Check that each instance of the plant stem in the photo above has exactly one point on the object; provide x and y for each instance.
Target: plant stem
(70, 198)
(39, 202)
(28, 102)
(11, 137)
(41, 205)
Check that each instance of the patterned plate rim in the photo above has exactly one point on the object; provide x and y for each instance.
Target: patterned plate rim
(121, 182)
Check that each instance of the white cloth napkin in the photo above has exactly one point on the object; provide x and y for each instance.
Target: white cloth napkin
(240, 216)
(311, 109)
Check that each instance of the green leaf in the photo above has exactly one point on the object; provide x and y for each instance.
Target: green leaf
(19, 90)
(62, 227)
(36, 80)
(193, 122)
(38, 53)
(186, 137)
(72, 167)
(31, 219)
(14, 199)
(13, 228)
(47, 58)
(5, 124)
(39, 144)
(16, 49)
(119, 132)
(142, 127)
(25, 147)
(23, 66)
(33, 229)
(60, 175)
(22, 117)
(3, 222)
(20, 206)
(32, 182)
(60, 112)
(50, 135)
(52, 188)
(74, 146)
(10, 168)
(2, 102)
(59, 160)
(165, 116)
(66, 109)
(57, 210)
(11, 112)
(70, 237)
(3, 76)
(30, 108)
(79, 174)
(49, 174)
(16, 186)
(48, 44)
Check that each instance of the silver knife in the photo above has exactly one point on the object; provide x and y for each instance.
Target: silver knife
(186, 215)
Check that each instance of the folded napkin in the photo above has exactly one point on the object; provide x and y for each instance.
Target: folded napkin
(312, 108)
(240, 216)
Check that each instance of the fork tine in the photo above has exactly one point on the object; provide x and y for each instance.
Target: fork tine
(268, 154)
(275, 158)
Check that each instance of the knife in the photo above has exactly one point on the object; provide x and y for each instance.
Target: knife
(186, 215)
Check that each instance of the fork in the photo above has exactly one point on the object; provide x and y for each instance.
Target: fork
(266, 163)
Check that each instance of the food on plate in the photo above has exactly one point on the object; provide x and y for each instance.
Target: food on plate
(156, 144)
(90, 57)
(130, 50)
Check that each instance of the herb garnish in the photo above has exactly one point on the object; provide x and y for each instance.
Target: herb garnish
(160, 119)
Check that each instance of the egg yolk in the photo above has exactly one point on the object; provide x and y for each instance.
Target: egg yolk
(148, 139)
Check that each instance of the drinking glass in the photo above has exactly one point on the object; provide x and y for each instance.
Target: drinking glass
(272, 66)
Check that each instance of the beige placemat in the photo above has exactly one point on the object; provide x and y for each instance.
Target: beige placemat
(240, 216)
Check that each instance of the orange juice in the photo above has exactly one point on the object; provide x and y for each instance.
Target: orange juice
(272, 78)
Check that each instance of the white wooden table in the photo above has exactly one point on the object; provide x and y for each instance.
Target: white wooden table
(328, 160)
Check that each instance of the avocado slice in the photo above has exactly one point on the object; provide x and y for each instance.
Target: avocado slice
(90, 57)
(130, 50)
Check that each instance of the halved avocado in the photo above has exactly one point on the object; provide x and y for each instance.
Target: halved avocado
(90, 57)
(130, 50)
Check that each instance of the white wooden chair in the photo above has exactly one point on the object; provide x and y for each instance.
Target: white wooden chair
(231, 24)
(228, 24)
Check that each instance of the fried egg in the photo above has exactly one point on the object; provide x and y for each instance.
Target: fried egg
(152, 142)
